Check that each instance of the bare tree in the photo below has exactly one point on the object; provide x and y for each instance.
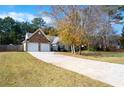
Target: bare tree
(83, 25)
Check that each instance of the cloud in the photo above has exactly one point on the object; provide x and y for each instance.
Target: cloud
(22, 17)
(18, 16)
(48, 20)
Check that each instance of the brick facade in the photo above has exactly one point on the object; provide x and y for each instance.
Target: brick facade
(38, 37)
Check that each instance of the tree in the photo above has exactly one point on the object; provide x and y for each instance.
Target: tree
(26, 27)
(13, 32)
(98, 27)
(8, 23)
(122, 38)
(38, 23)
(66, 36)
(68, 22)
(116, 17)
(16, 34)
(51, 31)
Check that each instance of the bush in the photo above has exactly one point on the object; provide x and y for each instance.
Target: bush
(92, 48)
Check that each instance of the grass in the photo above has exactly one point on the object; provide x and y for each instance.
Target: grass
(112, 57)
(21, 69)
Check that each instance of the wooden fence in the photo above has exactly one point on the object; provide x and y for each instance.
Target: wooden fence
(11, 47)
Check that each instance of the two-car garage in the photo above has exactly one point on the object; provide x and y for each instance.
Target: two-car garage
(44, 47)
(36, 42)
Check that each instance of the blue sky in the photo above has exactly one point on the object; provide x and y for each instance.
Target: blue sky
(28, 12)
(32, 9)
(23, 8)
(24, 12)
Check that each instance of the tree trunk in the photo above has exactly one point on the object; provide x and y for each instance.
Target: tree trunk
(74, 49)
(79, 50)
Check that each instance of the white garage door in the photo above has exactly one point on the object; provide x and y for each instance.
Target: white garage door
(45, 47)
(33, 47)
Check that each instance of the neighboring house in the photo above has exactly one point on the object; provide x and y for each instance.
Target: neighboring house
(36, 41)
(56, 45)
(54, 40)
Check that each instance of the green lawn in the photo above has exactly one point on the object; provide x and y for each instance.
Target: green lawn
(112, 57)
(21, 69)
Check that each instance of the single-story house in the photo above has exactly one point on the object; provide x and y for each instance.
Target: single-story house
(36, 41)
(39, 41)
(56, 45)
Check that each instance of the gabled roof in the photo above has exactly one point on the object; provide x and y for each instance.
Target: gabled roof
(52, 39)
(56, 40)
(29, 35)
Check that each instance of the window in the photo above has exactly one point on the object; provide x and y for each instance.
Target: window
(39, 33)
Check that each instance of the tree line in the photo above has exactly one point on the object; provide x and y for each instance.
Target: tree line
(89, 26)
(13, 32)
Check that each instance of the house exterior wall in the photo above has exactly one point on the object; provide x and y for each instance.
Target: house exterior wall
(37, 42)
(38, 37)
(45, 43)
(24, 45)
(55, 47)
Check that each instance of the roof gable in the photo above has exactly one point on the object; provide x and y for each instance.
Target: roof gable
(38, 36)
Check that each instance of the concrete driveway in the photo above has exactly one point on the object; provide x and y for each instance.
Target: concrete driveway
(110, 73)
